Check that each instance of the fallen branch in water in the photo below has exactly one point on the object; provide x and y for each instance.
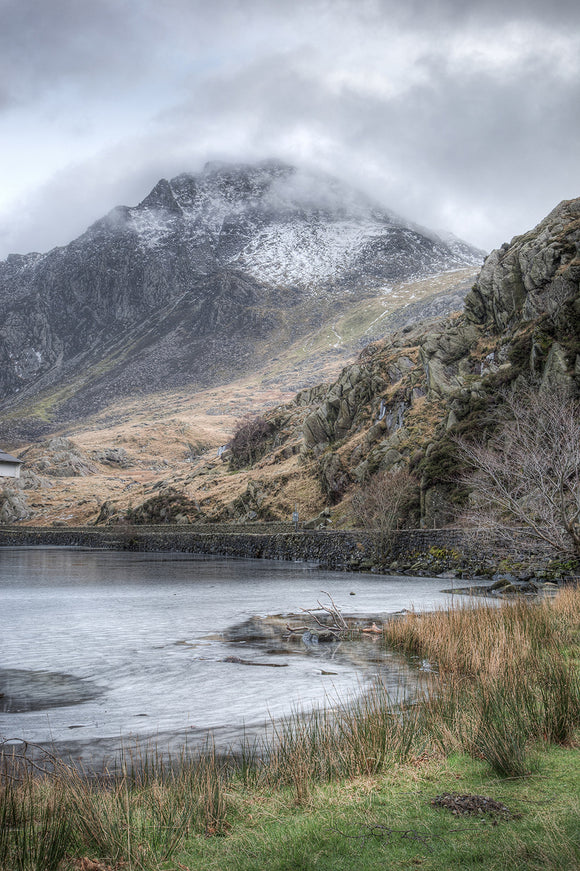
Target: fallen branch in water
(338, 624)
(376, 630)
(238, 661)
(335, 626)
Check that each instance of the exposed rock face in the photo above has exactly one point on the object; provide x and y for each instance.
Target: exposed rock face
(536, 274)
(195, 283)
(407, 395)
(13, 505)
(58, 458)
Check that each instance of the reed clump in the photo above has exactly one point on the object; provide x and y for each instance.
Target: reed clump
(350, 739)
(508, 676)
(505, 682)
(35, 828)
(481, 640)
(135, 817)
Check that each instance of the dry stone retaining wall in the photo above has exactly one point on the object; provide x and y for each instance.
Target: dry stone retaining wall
(333, 549)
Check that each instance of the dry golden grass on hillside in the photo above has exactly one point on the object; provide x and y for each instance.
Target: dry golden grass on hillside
(171, 439)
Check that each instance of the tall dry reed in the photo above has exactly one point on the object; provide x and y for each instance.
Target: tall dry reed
(481, 640)
(507, 676)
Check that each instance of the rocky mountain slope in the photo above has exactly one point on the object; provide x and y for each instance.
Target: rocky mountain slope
(161, 439)
(398, 406)
(194, 286)
(401, 404)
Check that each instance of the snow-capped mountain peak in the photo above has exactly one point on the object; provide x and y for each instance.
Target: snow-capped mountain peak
(186, 286)
(287, 226)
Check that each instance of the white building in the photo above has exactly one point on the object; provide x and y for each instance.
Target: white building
(9, 466)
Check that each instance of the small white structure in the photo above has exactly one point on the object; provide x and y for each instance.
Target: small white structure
(9, 466)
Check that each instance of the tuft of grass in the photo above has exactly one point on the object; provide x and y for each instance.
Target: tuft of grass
(355, 738)
(35, 829)
(559, 685)
(502, 725)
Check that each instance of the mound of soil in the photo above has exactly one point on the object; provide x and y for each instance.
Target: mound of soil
(472, 805)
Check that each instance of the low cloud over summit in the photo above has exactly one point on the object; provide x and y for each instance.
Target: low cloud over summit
(458, 116)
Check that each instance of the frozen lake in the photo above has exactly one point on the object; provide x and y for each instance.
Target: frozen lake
(98, 648)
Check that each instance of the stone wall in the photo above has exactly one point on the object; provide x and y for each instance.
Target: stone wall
(332, 549)
(341, 550)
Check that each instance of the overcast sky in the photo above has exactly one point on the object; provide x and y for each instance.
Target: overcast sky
(461, 115)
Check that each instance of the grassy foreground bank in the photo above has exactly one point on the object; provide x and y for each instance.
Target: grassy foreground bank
(482, 771)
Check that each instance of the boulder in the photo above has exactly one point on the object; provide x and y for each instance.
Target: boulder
(13, 506)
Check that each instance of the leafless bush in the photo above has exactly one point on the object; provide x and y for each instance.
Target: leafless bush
(528, 474)
(382, 503)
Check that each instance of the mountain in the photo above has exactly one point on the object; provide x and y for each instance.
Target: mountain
(399, 405)
(194, 286)
(408, 396)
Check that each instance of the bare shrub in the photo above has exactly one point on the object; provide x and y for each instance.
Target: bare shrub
(164, 507)
(528, 474)
(382, 504)
(249, 441)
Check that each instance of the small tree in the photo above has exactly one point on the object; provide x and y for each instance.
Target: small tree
(528, 473)
(382, 503)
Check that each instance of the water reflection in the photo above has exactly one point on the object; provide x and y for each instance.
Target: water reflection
(26, 690)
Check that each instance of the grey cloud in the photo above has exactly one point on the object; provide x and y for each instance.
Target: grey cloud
(468, 138)
(41, 43)
(457, 12)
(484, 149)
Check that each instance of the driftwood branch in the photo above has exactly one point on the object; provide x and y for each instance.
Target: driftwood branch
(293, 629)
(8, 755)
(332, 610)
(331, 620)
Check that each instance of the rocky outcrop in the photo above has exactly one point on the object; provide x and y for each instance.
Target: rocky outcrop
(58, 458)
(537, 274)
(112, 457)
(400, 405)
(13, 505)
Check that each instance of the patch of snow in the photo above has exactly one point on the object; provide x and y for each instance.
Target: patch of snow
(151, 226)
(288, 227)
(337, 345)
(305, 253)
(376, 320)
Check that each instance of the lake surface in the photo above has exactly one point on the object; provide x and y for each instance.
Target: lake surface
(98, 648)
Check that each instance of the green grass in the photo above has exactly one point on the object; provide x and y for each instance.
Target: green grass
(389, 822)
